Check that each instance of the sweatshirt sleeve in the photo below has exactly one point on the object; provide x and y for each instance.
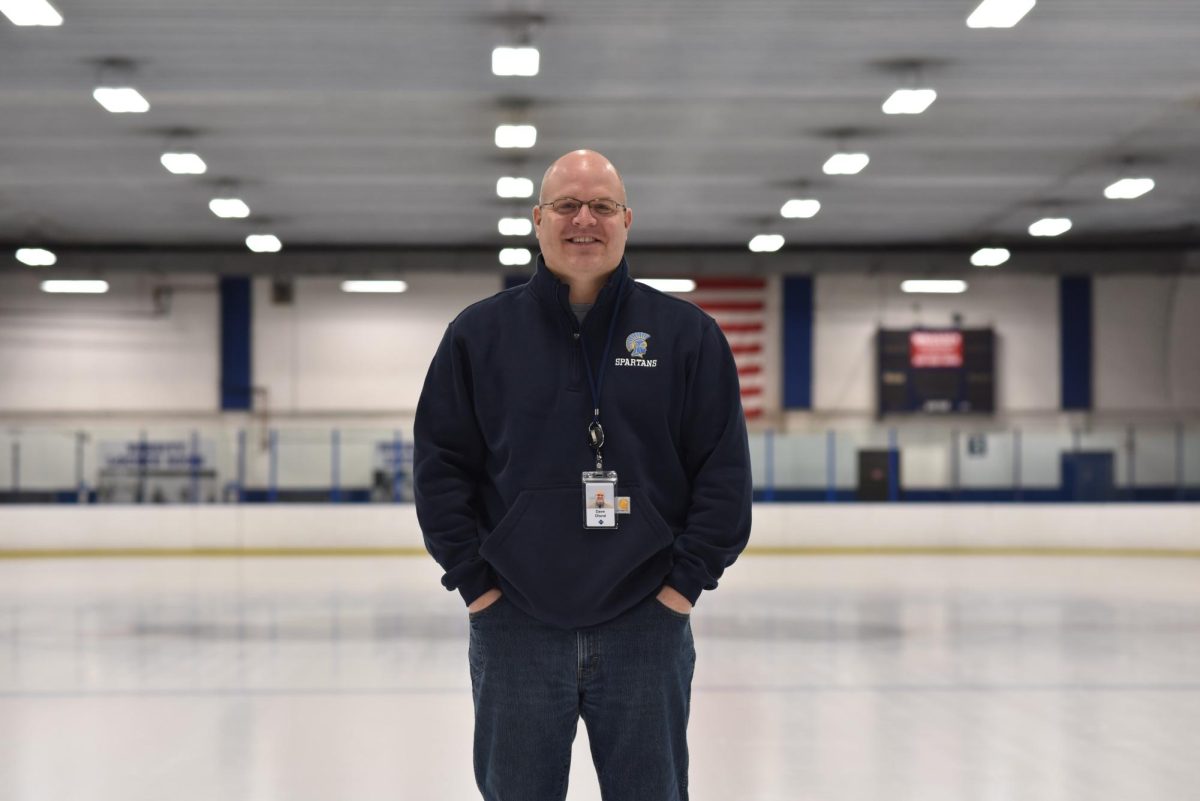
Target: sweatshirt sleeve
(716, 455)
(448, 459)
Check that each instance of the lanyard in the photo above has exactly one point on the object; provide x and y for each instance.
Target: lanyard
(595, 430)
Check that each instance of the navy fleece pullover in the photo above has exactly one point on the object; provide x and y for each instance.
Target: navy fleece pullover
(501, 442)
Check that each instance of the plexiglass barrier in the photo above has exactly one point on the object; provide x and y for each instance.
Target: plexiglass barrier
(124, 464)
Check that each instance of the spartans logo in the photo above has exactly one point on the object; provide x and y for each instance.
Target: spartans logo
(635, 343)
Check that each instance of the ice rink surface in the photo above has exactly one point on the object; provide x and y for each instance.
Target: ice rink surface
(818, 678)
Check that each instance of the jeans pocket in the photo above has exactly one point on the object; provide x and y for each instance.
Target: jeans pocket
(672, 612)
(485, 610)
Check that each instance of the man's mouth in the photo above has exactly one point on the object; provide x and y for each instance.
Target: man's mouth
(583, 240)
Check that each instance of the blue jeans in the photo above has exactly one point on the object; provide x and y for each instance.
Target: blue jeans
(630, 679)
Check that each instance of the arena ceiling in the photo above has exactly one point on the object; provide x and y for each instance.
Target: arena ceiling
(370, 123)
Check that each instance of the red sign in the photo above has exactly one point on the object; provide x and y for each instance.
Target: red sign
(935, 348)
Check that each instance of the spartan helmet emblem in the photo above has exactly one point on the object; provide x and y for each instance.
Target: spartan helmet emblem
(635, 343)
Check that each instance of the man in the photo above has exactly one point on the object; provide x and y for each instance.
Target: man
(581, 609)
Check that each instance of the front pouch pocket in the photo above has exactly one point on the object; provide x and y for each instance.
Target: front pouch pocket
(567, 574)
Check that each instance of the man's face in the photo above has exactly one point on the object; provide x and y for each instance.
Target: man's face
(582, 245)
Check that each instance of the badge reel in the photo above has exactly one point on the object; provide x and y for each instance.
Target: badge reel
(599, 487)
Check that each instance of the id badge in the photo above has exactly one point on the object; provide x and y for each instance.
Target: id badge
(600, 499)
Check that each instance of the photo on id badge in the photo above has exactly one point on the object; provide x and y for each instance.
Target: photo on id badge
(600, 500)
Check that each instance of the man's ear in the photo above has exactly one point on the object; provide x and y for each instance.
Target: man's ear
(537, 215)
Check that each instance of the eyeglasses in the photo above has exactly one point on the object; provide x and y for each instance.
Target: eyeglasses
(570, 206)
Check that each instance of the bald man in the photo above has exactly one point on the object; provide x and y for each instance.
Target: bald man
(578, 386)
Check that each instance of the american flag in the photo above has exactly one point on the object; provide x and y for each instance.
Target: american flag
(739, 307)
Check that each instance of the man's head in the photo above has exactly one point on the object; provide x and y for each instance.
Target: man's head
(582, 244)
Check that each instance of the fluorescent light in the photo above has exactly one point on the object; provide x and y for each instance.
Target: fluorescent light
(264, 243)
(509, 136)
(121, 99)
(1050, 226)
(1129, 188)
(800, 209)
(520, 61)
(515, 257)
(989, 257)
(36, 257)
(515, 226)
(514, 187)
(76, 287)
(30, 12)
(846, 163)
(999, 13)
(227, 207)
(374, 286)
(934, 287)
(909, 101)
(184, 163)
(766, 243)
(669, 284)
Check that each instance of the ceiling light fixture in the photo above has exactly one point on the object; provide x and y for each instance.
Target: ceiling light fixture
(846, 163)
(679, 285)
(1129, 188)
(989, 257)
(1050, 226)
(27, 13)
(999, 13)
(514, 187)
(375, 286)
(184, 163)
(264, 243)
(909, 101)
(516, 136)
(798, 209)
(76, 287)
(766, 243)
(229, 207)
(515, 257)
(36, 257)
(515, 61)
(121, 99)
(933, 287)
(515, 226)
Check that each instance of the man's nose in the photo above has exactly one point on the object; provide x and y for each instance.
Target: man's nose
(584, 216)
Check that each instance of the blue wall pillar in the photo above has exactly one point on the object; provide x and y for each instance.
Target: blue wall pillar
(1075, 327)
(237, 392)
(797, 341)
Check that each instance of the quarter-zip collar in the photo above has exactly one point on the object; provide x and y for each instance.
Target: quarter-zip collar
(555, 293)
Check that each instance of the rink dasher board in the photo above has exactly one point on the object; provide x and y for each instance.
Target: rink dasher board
(778, 528)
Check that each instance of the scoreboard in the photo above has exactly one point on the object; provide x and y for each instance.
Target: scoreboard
(936, 370)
